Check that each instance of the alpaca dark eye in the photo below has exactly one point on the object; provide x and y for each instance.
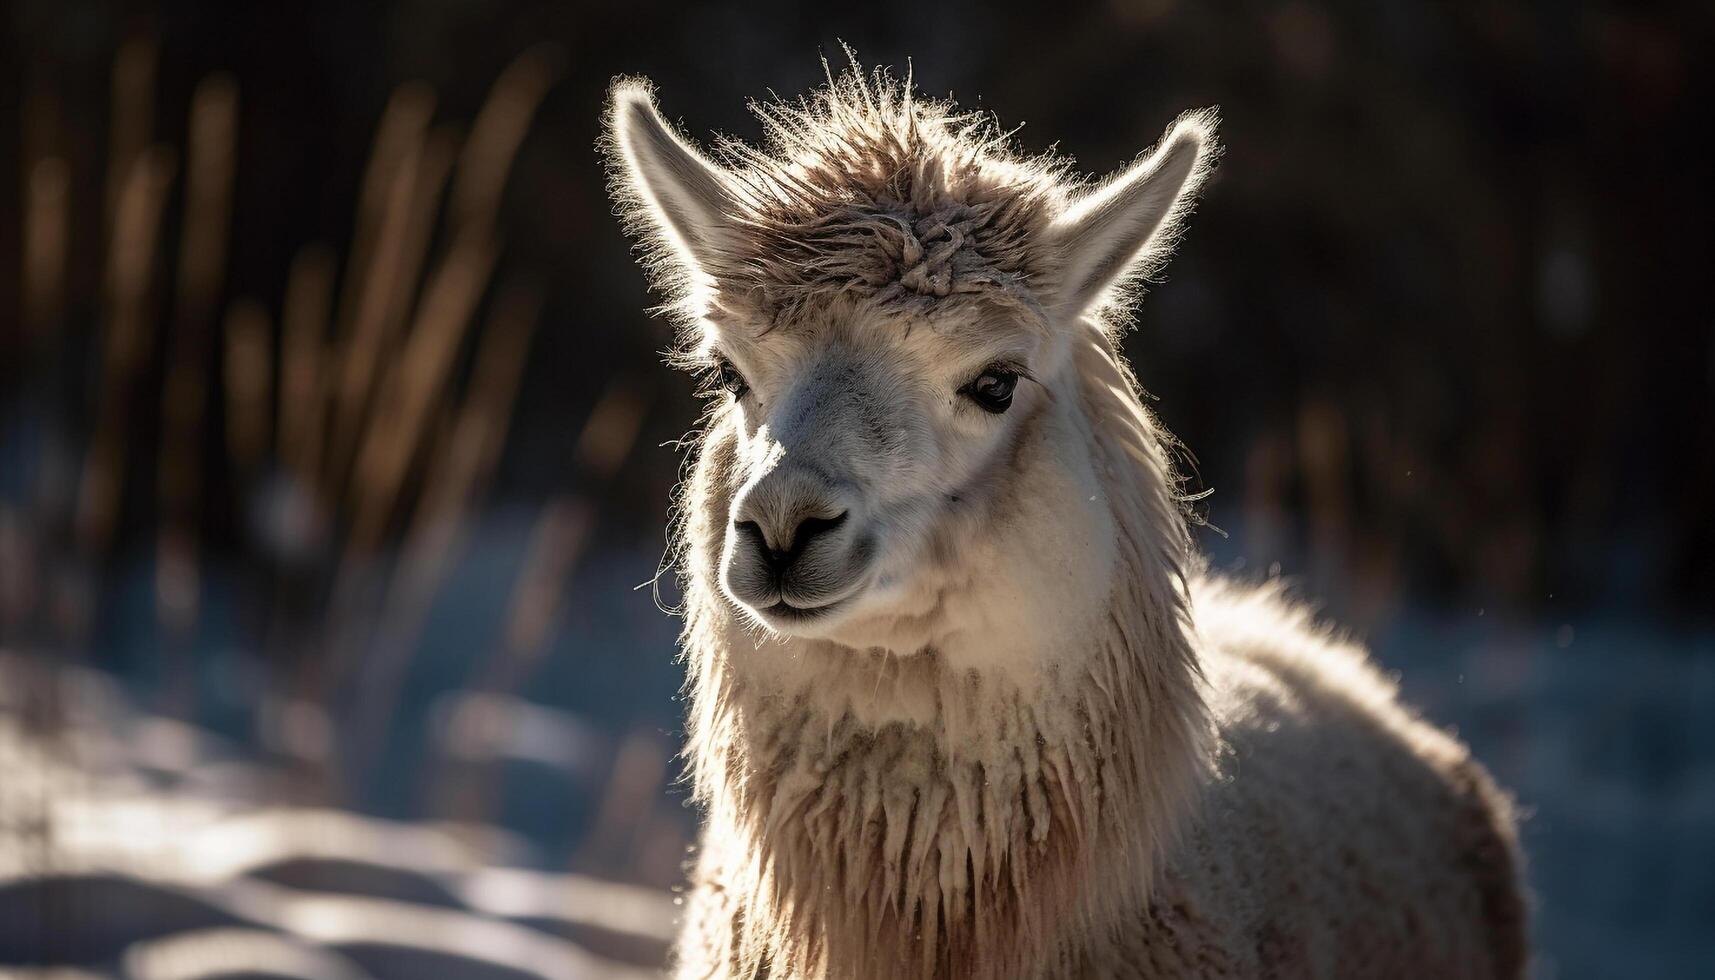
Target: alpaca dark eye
(727, 378)
(992, 390)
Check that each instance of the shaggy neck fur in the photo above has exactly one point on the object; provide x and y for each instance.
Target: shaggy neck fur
(981, 837)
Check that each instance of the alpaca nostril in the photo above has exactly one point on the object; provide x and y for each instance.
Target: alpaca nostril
(807, 530)
(812, 527)
(776, 559)
(795, 540)
(753, 531)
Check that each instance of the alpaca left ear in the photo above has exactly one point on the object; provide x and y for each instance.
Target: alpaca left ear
(1126, 227)
(667, 190)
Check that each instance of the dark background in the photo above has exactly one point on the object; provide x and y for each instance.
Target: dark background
(1439, 337)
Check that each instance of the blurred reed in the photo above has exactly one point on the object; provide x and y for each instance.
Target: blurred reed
(184, 393)
(303, 361)
(350, 435)
(46, 223)
(127, 330)
(311, 472)
(459, 468)
(248, 374)
(133, 114)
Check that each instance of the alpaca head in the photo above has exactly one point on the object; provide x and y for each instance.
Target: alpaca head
(896, 315)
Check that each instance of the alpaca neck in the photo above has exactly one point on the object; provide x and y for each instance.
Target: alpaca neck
(976, 832)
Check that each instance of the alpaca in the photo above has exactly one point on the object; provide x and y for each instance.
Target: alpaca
(963, 700)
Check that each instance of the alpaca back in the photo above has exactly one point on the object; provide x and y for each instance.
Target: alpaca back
(1340, 836)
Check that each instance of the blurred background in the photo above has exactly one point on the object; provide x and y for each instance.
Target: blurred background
(335, 451)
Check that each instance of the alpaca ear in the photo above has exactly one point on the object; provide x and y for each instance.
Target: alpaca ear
(665, 188)
(1126, 227)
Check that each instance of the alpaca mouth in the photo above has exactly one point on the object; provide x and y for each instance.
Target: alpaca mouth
(803, 599)
(787, 612)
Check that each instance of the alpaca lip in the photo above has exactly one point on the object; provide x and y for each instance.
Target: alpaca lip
(798, 614)
(772, 601)
(779, 610)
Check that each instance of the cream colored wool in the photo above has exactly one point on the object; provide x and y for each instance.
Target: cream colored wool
(1043, 742)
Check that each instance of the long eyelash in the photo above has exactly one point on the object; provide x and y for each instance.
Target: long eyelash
(1011, 367)
(710, 370)
(707, 371)
(708, 380)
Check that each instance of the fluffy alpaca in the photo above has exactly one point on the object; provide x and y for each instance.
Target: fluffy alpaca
(963, 702)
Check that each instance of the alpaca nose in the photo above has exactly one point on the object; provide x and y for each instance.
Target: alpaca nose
(781, 543)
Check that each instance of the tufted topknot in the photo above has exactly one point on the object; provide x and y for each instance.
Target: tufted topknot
(864, 190)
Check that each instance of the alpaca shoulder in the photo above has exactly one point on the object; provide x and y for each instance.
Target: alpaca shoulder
(1341, 834)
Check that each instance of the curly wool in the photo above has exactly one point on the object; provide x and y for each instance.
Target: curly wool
(866, 190)
(864, 187)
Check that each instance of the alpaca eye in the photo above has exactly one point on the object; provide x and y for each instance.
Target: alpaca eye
(727, 378)
(992, 390)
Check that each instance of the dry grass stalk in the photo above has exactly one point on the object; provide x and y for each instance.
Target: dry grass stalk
(556, 541)
(463, 462)
(402, 125)
(473, 446)
(483, 167)
(202, 254)
(395, 291)
(409, 392)
(363, 336)
(378, 446)
(459, 470)
(208, 196)
(499, 131)
(131, 261)
(46, 233)
(249, 350)
(555, 545)
(436, 166)
(396, 336)
(303, 358)
(37, 336)
(133, 124)
(611, 431)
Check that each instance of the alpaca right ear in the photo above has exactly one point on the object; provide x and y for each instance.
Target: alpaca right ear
(666, 188)
(1125, 228)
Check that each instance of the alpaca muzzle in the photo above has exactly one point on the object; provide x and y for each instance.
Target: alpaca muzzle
(793, 549)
